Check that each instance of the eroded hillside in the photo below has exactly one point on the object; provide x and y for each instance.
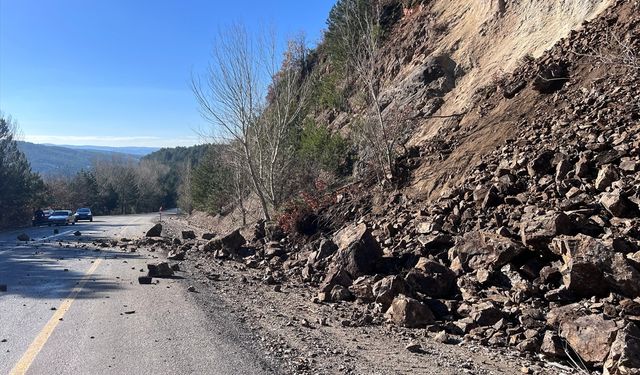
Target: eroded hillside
(516, 224)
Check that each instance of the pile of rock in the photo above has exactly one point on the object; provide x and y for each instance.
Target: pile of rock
(537, 249)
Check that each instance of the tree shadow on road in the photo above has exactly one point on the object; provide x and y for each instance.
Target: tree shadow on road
(44, 271)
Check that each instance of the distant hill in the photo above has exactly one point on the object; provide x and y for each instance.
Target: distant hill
(178, 156)
(139, 151)
(50, 160)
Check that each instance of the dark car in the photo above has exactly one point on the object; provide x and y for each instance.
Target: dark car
(40, 217)
(83, 214)
(62, 217)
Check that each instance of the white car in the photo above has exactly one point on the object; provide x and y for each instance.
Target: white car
(61, 217)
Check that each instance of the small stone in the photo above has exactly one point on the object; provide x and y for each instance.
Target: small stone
(144, 279)
(3, 287)
(191, 288)
(130, 312)
(442, 337)
(23, 237)
(77, 233)
(277, 288)
(414, 347)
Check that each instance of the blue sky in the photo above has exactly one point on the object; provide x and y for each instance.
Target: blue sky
(116, 72)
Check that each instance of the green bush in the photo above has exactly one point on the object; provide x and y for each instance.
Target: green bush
(319, 148)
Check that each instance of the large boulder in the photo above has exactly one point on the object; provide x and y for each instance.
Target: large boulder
(590, 337)
(159, 270)
(619, 205)
(387, 289)
(483, 250)
(358, 252)
(188, 235)
(177, 254)
(485, 314)
(624, 356)
(433, 279)
(408, 312)
(606, 176)
(538, 230)
(155, 231)
(592, 268)
(233, 241)
(226, 245)
(335, 276)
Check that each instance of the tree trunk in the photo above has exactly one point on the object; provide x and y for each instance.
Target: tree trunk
(256, 183)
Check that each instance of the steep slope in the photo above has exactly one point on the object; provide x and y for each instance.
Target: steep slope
(482, 41)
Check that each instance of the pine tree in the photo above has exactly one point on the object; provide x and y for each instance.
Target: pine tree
(20, 188)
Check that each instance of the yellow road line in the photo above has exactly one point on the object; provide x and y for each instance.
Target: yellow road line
(27, 358)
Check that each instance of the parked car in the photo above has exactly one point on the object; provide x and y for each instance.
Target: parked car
(40, 217)
(62, 217)
(83, 214)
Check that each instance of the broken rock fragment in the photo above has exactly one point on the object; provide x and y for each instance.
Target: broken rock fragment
(619, 205)
(483, 250)
(188, 235)
(408, 312)
(624, 357)
(155, 231)
(159, 269)
(590, 337)
(358, 252)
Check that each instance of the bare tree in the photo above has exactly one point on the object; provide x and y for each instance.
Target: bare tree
(236, 97)
(282, 118)
(231, 96)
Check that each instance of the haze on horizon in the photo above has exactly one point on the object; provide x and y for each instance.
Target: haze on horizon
(116, 73)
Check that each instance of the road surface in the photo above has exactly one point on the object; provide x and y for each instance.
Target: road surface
(74, 310)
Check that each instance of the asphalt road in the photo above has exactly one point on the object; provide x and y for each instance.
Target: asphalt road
(74, 310)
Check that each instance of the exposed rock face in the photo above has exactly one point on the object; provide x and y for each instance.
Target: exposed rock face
(408, 312)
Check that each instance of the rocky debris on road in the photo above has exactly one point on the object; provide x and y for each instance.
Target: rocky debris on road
(77, 233)
(208, 236)
(188, 235)
(155, 231)
(160, 270)
(23, 237)
(145, 280)
(192, 289)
